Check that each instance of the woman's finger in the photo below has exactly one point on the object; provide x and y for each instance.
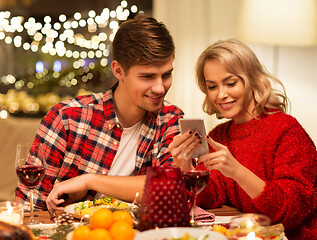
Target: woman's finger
(191, 148)
(215, 145)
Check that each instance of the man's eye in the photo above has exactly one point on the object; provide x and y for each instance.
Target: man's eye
(166, 75)
(147, 76)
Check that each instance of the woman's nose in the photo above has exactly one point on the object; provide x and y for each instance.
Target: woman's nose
(222, 93)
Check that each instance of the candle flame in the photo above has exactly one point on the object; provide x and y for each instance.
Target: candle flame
(249, 223)
(9, 207)
(135, 198)
(251, 236)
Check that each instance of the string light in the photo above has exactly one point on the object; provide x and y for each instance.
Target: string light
(45, 34)
(86, 53)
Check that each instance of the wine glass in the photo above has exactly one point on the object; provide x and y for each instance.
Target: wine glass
(30, 168)
(195, 181)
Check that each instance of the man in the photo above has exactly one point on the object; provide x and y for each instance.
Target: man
(104, 142)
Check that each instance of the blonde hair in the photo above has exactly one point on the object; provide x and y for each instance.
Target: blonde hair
(241, 61)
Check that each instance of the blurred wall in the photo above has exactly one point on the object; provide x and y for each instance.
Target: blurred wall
(197, 24)
(13, 131)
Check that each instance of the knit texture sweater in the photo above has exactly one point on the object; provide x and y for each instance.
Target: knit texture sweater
(279, 151)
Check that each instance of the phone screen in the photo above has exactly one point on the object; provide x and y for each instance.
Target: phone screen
(195, 124)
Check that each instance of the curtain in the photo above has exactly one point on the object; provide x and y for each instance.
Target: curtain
(194, 25)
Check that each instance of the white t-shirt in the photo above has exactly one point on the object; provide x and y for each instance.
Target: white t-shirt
(124, 162)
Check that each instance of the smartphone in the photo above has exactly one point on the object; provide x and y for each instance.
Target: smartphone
(195, 124)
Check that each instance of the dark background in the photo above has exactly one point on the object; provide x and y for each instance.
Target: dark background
(40, 8)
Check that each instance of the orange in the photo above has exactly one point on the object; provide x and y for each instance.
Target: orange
(122, 216)
(100, 234)
(102, 218)
(121, 230)
(81, 233)
(220, 229)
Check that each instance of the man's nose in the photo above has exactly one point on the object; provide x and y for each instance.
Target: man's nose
(158, 86)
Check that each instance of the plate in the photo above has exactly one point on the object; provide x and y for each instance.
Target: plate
(177, 232)
(48, 225)
(70, 209)
(42, 226)
(46, 230)
(69, 236)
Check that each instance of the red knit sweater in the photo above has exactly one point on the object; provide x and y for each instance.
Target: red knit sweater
(279, 151)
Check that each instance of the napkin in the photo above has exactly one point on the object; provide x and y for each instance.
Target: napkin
(202, 215)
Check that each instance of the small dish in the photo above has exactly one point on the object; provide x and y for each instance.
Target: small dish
(178, 232)
(70, 209)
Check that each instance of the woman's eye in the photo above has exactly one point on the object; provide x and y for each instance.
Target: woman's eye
(211, 87)
(231, 84)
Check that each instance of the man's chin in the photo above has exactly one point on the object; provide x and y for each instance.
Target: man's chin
(153, 108)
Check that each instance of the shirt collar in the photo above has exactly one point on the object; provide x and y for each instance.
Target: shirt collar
(112, 120)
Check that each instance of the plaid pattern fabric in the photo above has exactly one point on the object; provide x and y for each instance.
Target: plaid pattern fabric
(82, 135)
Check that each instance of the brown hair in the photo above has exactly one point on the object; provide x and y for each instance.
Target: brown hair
(241, 61)
(142, 40)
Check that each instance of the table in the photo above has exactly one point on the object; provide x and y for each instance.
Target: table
(44, 217)
(225, 211)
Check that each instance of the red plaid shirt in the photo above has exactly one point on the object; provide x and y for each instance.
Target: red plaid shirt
(82, 135)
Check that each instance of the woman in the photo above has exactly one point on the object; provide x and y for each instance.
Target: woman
(261, 160)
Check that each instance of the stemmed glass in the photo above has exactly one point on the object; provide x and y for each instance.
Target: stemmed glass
(30, 168)
(195, 181)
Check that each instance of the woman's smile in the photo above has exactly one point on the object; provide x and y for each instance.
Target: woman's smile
(226, 105)
(226, 91)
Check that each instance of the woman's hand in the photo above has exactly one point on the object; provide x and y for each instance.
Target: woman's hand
(221, 160)
(75, 188)
(184, 145)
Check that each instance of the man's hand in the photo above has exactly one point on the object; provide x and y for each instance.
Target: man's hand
(75, 188)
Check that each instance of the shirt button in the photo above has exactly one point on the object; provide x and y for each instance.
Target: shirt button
(109, 126)
(118, 125)
(115, 142)
(103, 172)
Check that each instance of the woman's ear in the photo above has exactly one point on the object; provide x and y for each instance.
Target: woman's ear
(117, 70)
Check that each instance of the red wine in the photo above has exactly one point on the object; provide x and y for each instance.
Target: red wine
(195, 180)
(30, 175)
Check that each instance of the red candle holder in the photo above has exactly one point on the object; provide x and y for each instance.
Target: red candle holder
(164, 202)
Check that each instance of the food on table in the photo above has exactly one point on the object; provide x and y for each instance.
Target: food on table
(220, 228)
(103, 218)
(82, 232)
(187, 237)
(121, 230)
(51, 231)
(89, 207)
(274, 232)
(10, 231)
(122, 216)
(100, 234)
(105, 224)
